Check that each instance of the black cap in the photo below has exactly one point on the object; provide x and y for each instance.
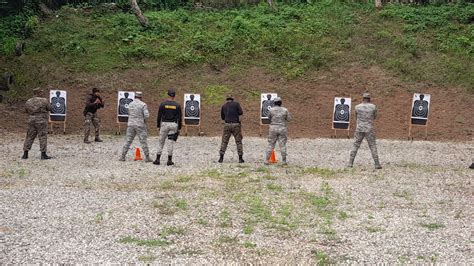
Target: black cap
(94, 90)
(171, 93)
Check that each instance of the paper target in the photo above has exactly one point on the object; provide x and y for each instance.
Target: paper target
(420, 108)
(192, 109)
(57, 98)
(266, 103)
(341, 113)
(124, 98)
(342, 110)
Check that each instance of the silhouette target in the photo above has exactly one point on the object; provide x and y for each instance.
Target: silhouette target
(266, 104)
(420, 108)
(342, 113)
(58, 105)
(124, 99)
(192, 109)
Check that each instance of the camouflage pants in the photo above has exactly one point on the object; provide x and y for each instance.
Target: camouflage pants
(36, 127)
(142, 134)
(93, 119)
(167, 130)
(280, 134)
(358, 137)
(232, 129)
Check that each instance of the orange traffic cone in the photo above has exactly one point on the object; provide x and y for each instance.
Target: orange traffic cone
(138, 155)
(273, 157)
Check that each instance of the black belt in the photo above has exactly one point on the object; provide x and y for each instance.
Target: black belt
(169, 121)
(232, 122)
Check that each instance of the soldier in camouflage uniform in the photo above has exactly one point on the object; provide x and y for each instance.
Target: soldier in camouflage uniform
(38, 109)
(230, 113)
(366, 112)
(137, 116)
(279, 118)
(169, 122)
(93, 103)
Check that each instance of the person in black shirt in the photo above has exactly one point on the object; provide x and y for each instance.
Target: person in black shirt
(93, 103)
(169, 123)
(230, 113)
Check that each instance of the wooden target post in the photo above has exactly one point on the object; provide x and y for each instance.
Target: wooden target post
(419, 120)
(52, 123)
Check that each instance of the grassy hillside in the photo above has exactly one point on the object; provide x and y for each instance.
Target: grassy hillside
(432, 44)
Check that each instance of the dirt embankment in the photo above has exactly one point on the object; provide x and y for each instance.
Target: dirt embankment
(309, 99)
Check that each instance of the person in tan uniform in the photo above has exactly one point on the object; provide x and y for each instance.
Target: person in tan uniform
(366, 112)
(38, 109)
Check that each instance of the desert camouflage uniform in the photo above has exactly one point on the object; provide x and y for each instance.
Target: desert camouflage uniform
(279, 117)
(137, 114)
(232, 129)
(38, 109)
(167, 130)
(91, 118)
(366, 113)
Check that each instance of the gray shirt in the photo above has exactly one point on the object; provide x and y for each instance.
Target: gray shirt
(279, 116)
(137, 113)
(366, 114)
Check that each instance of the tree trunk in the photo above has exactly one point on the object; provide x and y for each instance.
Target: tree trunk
(270, 3)
(378, 4)
(138, 13)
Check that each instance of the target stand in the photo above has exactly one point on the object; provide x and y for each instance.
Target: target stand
(119, 126)
(417, 124)
(57, 122)
(337, 127)
(187, 125)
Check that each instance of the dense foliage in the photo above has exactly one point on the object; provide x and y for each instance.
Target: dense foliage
(423, 43)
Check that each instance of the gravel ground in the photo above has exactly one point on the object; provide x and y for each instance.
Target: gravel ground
(87, 207)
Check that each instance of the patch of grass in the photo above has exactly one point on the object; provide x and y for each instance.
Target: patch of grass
(202, 221)
(164, 208)
(324, 172)
(183, 179)
(146, 243)
(274, 187)
(248, 229)
(225, 219)
(166, 185)
(342, 215)
(321, 257)
(263, 169)
(212, 173)
(99, 217)
(270, 177)
(432, 226)
(171, 230)
(403, 194)
(147, 258)
(181, 204)
(248, 244)
(215, 94)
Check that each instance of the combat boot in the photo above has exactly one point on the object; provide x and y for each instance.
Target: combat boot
(241, 159)
(44, 156)
(170, 160)
(283, 160)
(25, 155)
(97, 139)
(157, 161)
(86, 141)
(221, 158)
(122, 158)
(472, 166)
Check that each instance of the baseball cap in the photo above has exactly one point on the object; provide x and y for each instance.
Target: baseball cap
(138, 94)
(277, 99)
(229, 97)
(366, 95)
(171, 93)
